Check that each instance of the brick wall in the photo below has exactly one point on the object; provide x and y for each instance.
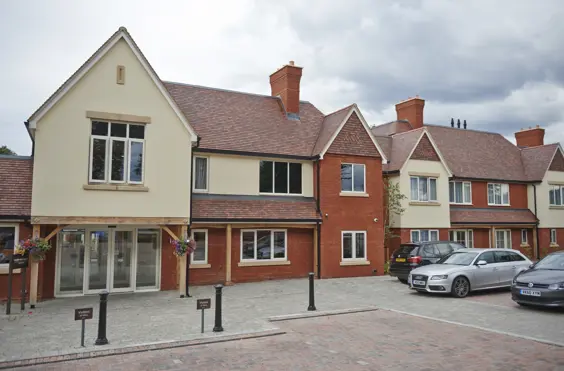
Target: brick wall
(351, 214)
(544, 241)
(353, 140)
(517, 196)
(216, 258)
(169, 269)
(558, 162)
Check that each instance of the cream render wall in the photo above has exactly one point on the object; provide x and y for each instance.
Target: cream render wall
(239, 175)
(422, 215)
(549, 217)
(62, 142)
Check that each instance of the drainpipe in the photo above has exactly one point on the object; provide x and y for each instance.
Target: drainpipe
(191, 183)
(537, 248)
(318, 169)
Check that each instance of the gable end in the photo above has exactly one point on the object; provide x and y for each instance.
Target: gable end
(353, 140)
(425, 150)
(557, 162)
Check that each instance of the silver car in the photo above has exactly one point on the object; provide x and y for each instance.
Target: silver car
(468, 270)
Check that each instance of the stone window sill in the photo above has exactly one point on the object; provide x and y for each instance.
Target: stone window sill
(524, 245)
(264, 263)
(5, 269)
(419, 203)
(346, 263)
(115, 187)
(556, 207)
(354, 194)
(199, 266)
(554, 245)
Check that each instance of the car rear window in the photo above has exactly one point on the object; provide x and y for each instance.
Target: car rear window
(406, 249)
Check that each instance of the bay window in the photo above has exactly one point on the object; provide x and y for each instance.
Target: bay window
(353, 244)
(423, 189)
(556, 195)
(353, 178)
(460, 192)
(263, 245)
(116, 153)
(280, 177)
(424, 235)
(498, 194)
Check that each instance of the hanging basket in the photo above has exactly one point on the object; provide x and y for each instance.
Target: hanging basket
(37, 248)
(183, 247)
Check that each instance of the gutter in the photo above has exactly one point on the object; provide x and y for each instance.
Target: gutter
(26, 123)
(255, 154)
(496, 180)
(537, 248)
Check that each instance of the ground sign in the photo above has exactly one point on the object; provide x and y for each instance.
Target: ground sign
(82, 314)
(203, 304)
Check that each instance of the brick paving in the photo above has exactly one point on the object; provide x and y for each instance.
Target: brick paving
(379, 340)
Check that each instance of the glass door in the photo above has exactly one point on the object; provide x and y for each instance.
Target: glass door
(122, 257)
(98, 260)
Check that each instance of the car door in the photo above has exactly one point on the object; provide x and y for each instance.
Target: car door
(519, 263)
(505, 267)
(486, 275)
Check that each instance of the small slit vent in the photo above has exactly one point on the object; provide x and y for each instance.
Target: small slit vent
(120, 76)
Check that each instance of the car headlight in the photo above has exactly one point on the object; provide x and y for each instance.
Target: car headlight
(556, 286)
(440, 277)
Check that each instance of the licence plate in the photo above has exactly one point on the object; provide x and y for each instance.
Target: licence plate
(530, 293)
(420, 283)
(400, 260)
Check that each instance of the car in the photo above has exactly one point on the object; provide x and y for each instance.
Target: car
(542, 284)
(412, 255)
(467, 270)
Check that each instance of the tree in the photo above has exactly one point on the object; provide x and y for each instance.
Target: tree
(393, 207)
(4, 150)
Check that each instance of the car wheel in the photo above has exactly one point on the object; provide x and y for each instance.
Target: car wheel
(460, 287)
(402, 280)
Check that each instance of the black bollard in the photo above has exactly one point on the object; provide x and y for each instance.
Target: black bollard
(218, 327)
(311, 293)
(102, 340)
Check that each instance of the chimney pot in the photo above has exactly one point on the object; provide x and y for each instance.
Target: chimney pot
(452, 122)
(291, 63)
(464, 124)
(458, 123)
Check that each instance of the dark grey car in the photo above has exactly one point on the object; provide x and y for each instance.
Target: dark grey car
(542, 284)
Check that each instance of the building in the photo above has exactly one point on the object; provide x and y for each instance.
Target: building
(473, 187)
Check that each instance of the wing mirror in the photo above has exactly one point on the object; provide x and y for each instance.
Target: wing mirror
(481, 262)
(532, 266)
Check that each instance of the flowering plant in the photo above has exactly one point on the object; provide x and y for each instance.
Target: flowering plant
(183, 246)
(36, 247)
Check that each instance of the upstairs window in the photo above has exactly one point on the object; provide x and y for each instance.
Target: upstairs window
(460, 193)
(353, 178)
(280, 177)
(423, 189)
(200, 174)
(498, 194)
(117, 153)
(556, 195)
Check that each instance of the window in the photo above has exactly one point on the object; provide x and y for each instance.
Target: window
(502, 239)
(263, 245)
(556, 195)
(8, 240)
(460, 193)
(524, 239)
(280, 177)
(354, 245)
(429, 251)
(502, 257)
(423, 189)
(516, 257)
(353, 178)
(117, 153)
(424, 235)
(200, 255)
(200, 174)
(464, 237)
(498, 194)
(444, 248)
(489, 257)
(553, 237)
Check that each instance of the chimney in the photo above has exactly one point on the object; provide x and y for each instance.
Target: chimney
(286, 83)
(412, 111)
(530, 137)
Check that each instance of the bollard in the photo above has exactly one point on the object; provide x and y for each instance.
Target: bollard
(218, 327)
(102, 340)
(311, 293)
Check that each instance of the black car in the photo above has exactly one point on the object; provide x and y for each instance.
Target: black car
(412, 255)
(542, 284)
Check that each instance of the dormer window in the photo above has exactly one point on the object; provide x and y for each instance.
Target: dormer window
(116, 153)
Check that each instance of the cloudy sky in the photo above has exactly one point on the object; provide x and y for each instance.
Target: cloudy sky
(498, 64)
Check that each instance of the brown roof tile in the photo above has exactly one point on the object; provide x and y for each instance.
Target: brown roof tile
(536, 160)
(557, 163)
(402, 144)
(391, 128)
(491, 216)
(16, 175)
(253, 208)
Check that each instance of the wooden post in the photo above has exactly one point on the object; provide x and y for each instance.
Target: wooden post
(492, 238)
(315, 251)
(535, 244)
(182, 260)
(34, 280)
(228, 255)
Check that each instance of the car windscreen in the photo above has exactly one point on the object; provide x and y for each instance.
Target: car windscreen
(405, 249)
(459, 258)
(551, 262)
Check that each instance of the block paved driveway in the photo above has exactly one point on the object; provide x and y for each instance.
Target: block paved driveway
(135, 319)
(379, 340)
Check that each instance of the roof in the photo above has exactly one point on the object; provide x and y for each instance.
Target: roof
(15, 186)
(401, 146)
(391, 128)
(331, 124)
(536, 160)
(213, 207)
(491, 216)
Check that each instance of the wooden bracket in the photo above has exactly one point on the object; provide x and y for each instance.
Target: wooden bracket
(54, 232)
(170, 233)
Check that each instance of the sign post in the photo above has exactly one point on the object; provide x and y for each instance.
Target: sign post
(16, 262)
(82, 314)
(203, 304)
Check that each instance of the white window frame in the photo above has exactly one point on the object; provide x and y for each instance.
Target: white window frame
(197, 190)
(507, 239)
(285, 258)
(133, 140)
(90, 159)
(353, 258)
(205, 261)
(418, 231)
(288, 178)
(352, 178)
(428, 178)
(125, 159)
(4, 267)
(468, 236)
(556, 188)
(502, 186)
(553, 241)
(464, 183)
(524, 237)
